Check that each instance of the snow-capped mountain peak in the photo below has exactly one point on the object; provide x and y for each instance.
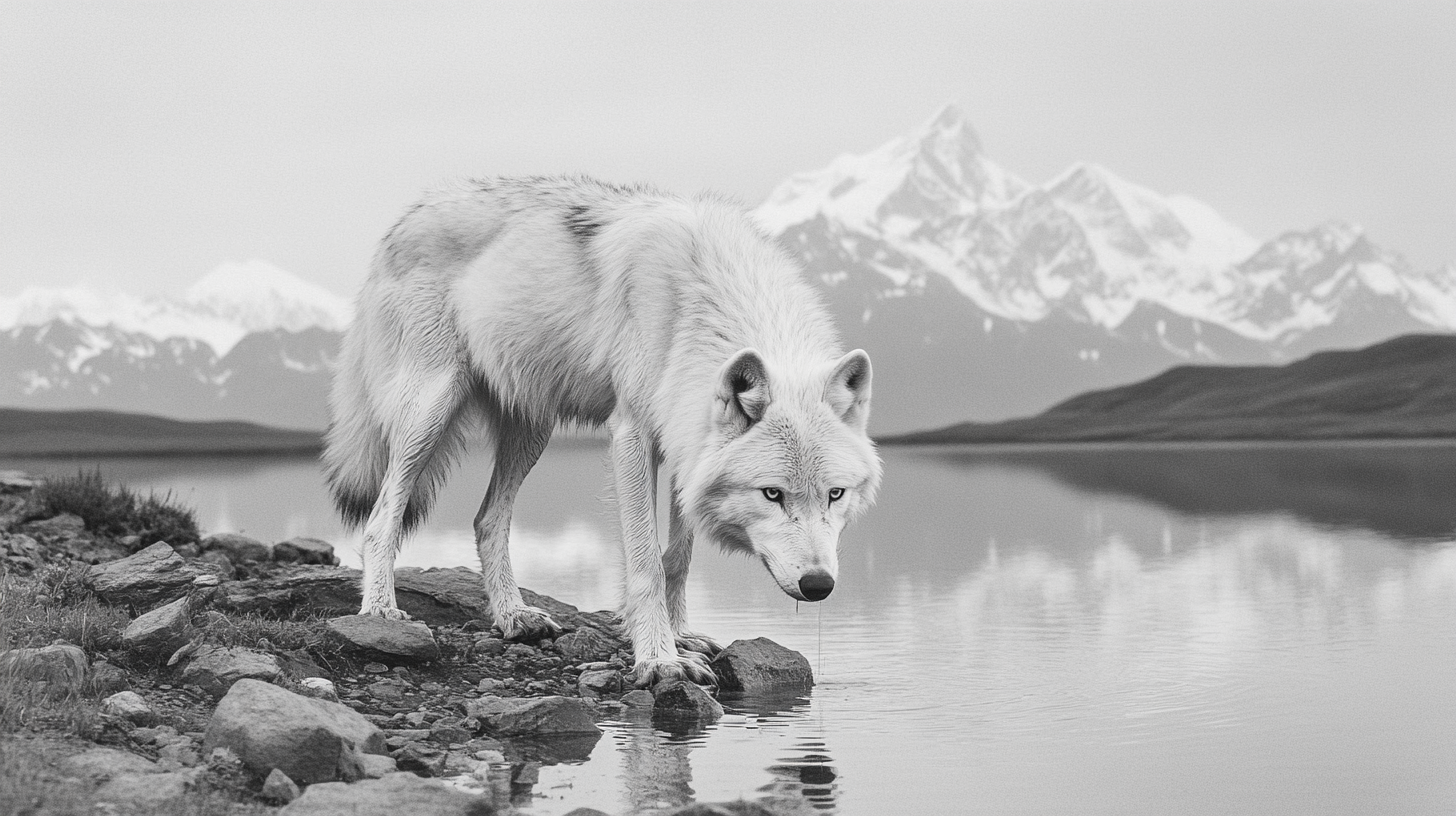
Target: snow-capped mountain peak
(220, 309)
(259, 296)
(935, 171)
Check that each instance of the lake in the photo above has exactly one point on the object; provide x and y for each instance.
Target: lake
(1188, 629)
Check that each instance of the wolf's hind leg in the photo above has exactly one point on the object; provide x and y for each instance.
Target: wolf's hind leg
(675, 562)
(424, 424)
(518, 444)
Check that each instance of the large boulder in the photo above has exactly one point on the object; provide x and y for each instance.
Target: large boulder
(304, 550)
(394, 794)
(59, 669)
(389, 641)
(760, 665)
(533, 716)
(240, 549)
(310, 740)
(216, 669)
(150, 577)
(163, 629)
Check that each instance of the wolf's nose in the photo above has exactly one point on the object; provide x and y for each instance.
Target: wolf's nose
(816, 586)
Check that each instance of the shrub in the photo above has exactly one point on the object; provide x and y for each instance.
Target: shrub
(115, 510)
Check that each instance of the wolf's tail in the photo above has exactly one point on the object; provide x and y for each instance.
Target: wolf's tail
(356, 452)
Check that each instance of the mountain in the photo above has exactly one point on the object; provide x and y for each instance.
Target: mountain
(978, 294)
(82, 433)
(247, 341)
(1400, 388)
(982, 296)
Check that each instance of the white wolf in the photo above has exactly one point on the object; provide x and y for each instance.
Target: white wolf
(521, 304)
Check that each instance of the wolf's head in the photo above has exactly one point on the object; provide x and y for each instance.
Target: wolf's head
(787, 465)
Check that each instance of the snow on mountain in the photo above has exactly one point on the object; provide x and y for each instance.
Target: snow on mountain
(985, 296)
(258, 296)
(1088, 244)
(220, 309)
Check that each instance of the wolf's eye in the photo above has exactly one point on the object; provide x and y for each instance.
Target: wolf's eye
(835, 494)
(774, 495)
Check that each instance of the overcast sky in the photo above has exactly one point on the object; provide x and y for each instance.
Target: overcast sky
(142, 144)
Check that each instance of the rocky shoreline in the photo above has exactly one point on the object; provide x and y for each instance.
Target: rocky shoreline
(231, 675)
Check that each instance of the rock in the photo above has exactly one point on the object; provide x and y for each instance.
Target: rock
(216, 668)
(304, 550)
(761, 665)
(586, 644)
(105, 679)
(437, 597)
(300, 665)
(320, 688)
(104, 763)
(278, 788)
(129, 706)
(61, 667)
(178, 755)
(239, 549)
(153, 576)
(218, 563)
(420, 758)
(681, 700)
(638, 698)
(392, 795)
(600, 683)
(377, 765)
(450, 732)
(387, 689)
(66, 524)
(163, 629)
(586, 811)
(534, 716)
(146, 792)
(309, 740)
(393, 641)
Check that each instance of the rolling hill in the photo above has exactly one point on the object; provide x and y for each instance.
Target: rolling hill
(102, 433)
(1401, 388)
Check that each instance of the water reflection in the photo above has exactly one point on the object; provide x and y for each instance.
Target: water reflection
(1403, 490)
(1093, 630)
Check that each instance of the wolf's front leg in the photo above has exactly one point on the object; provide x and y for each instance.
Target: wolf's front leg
(675, 561)
(644, 605)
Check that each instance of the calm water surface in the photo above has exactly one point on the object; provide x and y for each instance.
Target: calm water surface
(1182, 630)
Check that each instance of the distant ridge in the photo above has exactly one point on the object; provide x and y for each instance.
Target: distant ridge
(1401, 388)
(113, 433)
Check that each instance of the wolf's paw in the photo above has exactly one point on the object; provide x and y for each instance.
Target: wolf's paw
(528, 624)
(698, 644)
(383, 610)
(690, 666)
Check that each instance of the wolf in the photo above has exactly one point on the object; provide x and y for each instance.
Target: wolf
(518, 305)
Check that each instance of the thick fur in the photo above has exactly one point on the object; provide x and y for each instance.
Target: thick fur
(523, 304)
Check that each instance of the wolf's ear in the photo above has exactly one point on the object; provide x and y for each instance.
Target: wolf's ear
(743, 393)
(848, 389)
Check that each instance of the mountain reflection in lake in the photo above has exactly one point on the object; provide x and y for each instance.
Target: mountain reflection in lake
(1194, 629)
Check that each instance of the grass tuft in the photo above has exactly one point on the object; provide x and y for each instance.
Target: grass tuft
(114, 510)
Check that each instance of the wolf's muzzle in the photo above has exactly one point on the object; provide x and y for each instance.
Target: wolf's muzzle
(816, 586)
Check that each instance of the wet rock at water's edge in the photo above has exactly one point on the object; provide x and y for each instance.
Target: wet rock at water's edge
(681, 700)
(761, 665)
